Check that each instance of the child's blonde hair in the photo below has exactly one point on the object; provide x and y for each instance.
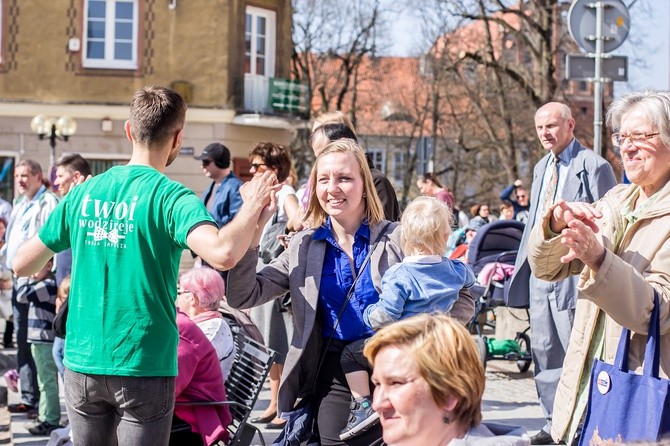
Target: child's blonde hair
(426, 226)
(64, 288)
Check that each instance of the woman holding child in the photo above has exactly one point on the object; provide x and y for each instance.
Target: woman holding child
(319, 267)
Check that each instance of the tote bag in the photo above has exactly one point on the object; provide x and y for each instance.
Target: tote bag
(624, 406)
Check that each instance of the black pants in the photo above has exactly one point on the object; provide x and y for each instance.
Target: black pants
(333, 410)
(8, 337)
(30, 393)
(184, 437)
(352, 359)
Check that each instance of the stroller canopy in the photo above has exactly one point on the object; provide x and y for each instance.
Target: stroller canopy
(494, 239)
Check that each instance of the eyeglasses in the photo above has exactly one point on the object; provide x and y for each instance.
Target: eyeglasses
(520, 196)
(255, 166)
(206, 163)
(633, 137)
(183, 291)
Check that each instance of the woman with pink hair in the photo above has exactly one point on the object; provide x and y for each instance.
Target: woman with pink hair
(199, 293)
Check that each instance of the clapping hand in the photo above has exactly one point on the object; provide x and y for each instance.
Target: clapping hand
(576, 222)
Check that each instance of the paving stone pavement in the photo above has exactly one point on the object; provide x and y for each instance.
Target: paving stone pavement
(509, 398)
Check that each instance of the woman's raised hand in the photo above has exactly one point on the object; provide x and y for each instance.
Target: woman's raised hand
(563, 213)
(576, 224)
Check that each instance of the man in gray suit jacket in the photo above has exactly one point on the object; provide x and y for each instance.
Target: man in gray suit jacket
(582, 176)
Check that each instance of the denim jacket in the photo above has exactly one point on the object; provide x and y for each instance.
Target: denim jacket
(227, 199)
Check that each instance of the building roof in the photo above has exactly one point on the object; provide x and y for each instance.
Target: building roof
(391, 94)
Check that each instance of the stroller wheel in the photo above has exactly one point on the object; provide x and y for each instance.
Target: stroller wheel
(483, 349)
(524, 350)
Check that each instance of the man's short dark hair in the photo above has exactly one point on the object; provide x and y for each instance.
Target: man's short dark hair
(156, 113)
(75, 163)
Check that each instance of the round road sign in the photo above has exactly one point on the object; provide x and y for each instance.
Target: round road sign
(582, 24)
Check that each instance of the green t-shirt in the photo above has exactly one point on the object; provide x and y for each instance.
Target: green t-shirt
(127, 229)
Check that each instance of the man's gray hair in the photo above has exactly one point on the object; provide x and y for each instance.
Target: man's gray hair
(34, 166)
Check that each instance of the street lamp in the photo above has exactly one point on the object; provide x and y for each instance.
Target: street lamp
(53, 128)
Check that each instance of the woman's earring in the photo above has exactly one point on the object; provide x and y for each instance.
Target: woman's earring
(445, 419)
(364, 195)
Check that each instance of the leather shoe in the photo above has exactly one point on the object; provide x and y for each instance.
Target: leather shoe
(20, 408)
(275, 426)
(542, 437)
(264, 419)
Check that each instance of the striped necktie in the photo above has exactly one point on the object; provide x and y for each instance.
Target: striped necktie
(552, 184)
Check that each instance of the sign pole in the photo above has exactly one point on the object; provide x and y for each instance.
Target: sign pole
(598, 83)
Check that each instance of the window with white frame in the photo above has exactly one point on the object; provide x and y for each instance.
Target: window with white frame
(378, 158)
(424, 150)
(398, 166)
(110, 34)
(260, 41)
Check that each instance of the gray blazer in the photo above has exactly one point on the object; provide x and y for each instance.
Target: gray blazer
(298, 270)
(589, 177)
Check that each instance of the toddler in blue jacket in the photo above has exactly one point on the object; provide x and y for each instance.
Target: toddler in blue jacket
(424, 282)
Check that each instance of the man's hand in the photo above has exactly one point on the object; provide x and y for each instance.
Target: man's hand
(261, 189)
(267, 212)
(222, 249)
(80, 180)
(518, 183)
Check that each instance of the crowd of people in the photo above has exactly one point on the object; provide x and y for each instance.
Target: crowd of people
(366, 307)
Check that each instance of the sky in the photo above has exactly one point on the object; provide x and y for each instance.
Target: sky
(647, 45)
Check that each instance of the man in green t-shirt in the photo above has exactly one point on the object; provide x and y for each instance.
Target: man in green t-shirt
(127, 229)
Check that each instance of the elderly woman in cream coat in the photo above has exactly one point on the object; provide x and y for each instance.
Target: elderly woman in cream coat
(620, 247)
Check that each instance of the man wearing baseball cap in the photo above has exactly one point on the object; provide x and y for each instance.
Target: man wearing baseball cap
(222, 197)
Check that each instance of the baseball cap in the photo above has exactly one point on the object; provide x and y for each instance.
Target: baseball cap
(216, 152)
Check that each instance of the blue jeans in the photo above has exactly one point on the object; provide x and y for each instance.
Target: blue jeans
(119, 410)
(58, 354)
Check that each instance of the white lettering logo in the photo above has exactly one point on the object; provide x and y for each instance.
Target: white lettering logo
(110, 221)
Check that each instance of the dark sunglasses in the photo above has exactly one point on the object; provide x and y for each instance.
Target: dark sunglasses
(255, 166)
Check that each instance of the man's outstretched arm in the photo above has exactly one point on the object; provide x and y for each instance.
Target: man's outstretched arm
(222, 249)
(31, 257)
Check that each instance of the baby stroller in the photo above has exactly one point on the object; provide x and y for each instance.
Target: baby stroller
(491, 256)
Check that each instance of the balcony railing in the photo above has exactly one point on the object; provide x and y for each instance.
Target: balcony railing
(256, 92)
